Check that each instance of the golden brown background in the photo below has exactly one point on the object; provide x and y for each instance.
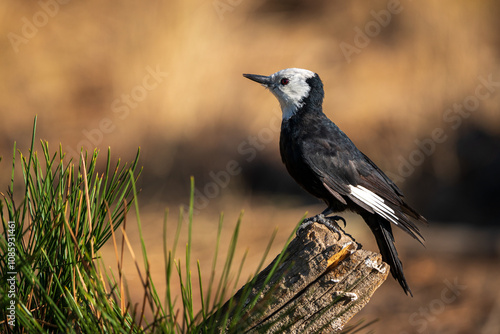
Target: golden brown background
(166, 76)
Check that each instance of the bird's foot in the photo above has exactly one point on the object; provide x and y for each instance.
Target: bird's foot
(324, 220)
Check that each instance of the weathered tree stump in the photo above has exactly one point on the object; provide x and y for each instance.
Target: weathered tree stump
(321, 282)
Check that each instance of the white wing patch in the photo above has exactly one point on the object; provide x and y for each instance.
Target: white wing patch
(374, 201)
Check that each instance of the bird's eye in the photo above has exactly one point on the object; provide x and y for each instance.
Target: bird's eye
(284, 81)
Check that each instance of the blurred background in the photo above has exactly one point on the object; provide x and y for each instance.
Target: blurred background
(415, 84)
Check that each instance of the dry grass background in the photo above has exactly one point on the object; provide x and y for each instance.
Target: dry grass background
(395, 90)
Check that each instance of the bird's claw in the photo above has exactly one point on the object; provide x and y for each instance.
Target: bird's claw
(322, 220)
(337, 218)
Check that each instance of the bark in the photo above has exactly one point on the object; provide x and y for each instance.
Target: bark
(322, 280)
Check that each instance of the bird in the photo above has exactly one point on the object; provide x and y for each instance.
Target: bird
(326, 163)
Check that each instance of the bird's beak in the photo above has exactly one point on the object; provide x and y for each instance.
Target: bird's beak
(262, 79)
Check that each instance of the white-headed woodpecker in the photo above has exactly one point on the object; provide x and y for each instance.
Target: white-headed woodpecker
(326, 163)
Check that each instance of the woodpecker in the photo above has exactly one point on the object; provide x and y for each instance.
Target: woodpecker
(327, 164)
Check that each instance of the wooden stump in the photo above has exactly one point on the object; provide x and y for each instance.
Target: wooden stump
(321, 282)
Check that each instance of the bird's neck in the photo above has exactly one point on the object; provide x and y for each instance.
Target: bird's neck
(288, 111)
(299, 110)
(303, 111)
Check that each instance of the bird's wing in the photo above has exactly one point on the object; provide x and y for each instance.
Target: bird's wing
(375, 179)
(346, 172)
(331, 162)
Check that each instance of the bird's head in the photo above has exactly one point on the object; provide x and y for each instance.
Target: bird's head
(292, 87)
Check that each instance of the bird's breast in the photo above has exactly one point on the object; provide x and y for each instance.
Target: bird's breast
(294, 157)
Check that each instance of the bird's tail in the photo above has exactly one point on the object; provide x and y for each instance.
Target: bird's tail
(382, 230)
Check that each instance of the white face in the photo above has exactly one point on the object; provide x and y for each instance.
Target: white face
(289, 86)
(290, 94)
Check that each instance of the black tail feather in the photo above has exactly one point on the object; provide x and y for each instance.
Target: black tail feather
(382, 230)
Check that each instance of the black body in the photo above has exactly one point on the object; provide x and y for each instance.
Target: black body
(325, 162)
